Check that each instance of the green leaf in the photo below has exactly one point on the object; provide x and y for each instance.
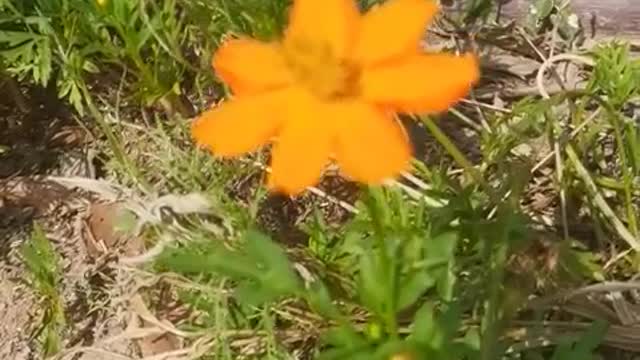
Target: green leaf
(580, 264)
(472, 340)
(277, 271)
(436, 330)
(378, 206)
(371, 284)
(345, 337)
(76, 99)
(538, 12)
(414, 286)
(254, 294)
(445, 284)
(318, 239)
(320, 300)
(590, 340)
(42, 262)
(90, 67)
(583, 347)
(477, 9)
(217, 259)
(544, 8)
(440, 250)
(52, 343)
(263, 271)
(23, 51)
(13, 38)
(615, 74)
(260, 247)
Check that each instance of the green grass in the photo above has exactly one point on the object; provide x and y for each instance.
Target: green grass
(442, 268)
(44, 277)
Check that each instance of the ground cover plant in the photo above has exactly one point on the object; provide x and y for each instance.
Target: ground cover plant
(166, 189)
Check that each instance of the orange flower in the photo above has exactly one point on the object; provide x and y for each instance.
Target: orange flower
(329, 90)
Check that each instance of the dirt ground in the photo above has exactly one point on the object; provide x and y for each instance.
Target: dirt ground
(45, 141)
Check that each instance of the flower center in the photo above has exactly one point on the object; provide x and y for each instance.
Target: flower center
(317, 68)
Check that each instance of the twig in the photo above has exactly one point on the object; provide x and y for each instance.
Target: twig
(415, 181)
(485, 105)
(605, 287)
(140, 309)
(600, 201)
(552, 60)
(415, 194)
(150, 254)
(93, 349)
(556, 144)
(345, 205)
(465, 119)
(573, 134)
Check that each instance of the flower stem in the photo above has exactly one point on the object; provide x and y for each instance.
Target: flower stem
(458, 156)
(387, 262)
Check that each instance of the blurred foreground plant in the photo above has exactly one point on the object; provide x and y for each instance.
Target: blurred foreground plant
(404, 260)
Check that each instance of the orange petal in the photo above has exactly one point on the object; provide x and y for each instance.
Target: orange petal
(371, 146)
(330, 23)
(249, 66)
(393, 29)
(423, 83)
(303, 148)
(240, 125)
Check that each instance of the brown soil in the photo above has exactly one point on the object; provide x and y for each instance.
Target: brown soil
(38, 143)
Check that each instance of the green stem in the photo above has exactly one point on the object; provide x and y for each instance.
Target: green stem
(114, 143)
(492, 320)
(627, 178)
(599, 200)
(458, 156)
(389, 266)
(392, 324)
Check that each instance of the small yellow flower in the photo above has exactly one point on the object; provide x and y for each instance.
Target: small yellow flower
(374, 331)
(330, 89)
(403, 356)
